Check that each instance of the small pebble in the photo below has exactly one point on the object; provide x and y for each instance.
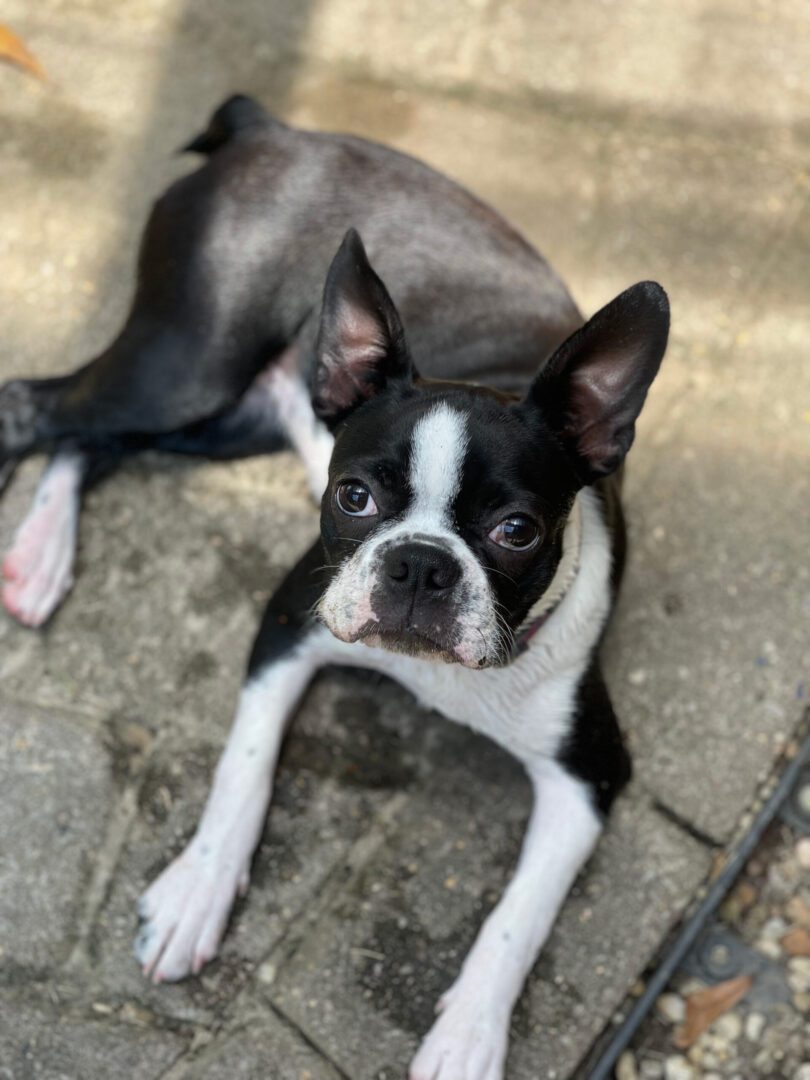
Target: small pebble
(626, 1067)
(771, 949)
(678, 1068)
(267, 973)
(764, 1061)
(651, 1070)
(774, 930)
(803, 854)
(754, 1026)
(799, 974)
(798, 911)
(672, 1008)
(803, 1072)
(729, 1027)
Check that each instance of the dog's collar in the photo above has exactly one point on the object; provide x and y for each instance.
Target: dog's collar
(562, 581)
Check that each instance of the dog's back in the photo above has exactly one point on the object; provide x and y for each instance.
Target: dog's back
(269, 208)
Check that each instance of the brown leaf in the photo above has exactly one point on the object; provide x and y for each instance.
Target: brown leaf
(796, 942)
(705, 1006)
(13, 51)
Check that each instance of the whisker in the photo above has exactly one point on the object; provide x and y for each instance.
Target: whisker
(506, 634)
(494, 570)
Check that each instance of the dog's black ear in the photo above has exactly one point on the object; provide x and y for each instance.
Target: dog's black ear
(361, 344)
(592, 388)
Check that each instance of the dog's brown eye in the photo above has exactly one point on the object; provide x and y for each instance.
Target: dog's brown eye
(517, 532)
(354, 498)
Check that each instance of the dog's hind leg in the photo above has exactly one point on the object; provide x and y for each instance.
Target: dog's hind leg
(275, 412)
(24, 404)
(308, 435)
(38, 568)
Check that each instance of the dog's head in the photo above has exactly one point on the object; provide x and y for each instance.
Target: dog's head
(446, 503)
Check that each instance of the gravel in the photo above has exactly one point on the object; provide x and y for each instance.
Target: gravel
(767, 1034)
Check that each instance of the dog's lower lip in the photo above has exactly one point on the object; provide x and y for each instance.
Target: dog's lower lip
(405, 640)
(408, 634)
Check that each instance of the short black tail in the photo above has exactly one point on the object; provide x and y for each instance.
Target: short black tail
(238, 113)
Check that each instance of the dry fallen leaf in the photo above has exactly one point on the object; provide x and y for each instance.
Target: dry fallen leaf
(705, 1006)
(13, 51)
(796, 942)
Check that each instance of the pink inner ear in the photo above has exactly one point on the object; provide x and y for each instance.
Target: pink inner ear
(360, 345)
(359, 334)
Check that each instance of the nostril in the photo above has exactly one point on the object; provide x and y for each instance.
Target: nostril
(398, 570)
(442, 577)
(421, 567)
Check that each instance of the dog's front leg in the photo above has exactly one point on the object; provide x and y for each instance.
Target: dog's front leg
(469, 1039)
(186, 909)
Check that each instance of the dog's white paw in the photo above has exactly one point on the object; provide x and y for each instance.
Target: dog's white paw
(185, 912)
(467, 1042)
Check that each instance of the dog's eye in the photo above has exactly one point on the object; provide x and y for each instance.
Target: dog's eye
(354, 498)
(516, 532)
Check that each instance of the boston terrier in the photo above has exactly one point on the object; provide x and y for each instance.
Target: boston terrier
(464, 433)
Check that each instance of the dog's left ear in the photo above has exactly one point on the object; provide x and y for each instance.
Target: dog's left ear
(592, 388)
(361, 344)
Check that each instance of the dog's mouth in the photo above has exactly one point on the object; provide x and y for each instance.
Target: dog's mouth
(409, 641)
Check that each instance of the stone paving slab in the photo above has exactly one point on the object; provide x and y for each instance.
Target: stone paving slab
(706, 725)
(161, 548)
(261, 1045)
(57, 792)
(264, 1049)
(349, 755)
(45, 1043)
(365, 981)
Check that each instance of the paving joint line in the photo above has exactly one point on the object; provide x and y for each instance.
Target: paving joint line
(291, 1025)
(337, 879)
(75, 712)
(685, 825)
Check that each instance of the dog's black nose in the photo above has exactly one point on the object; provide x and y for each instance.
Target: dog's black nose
(421, 566)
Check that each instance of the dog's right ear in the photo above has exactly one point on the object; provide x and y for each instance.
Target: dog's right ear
(361, 344)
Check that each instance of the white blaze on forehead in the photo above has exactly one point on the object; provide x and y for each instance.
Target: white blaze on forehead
(438, 447)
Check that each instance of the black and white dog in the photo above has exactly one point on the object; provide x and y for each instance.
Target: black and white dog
(465, 442)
